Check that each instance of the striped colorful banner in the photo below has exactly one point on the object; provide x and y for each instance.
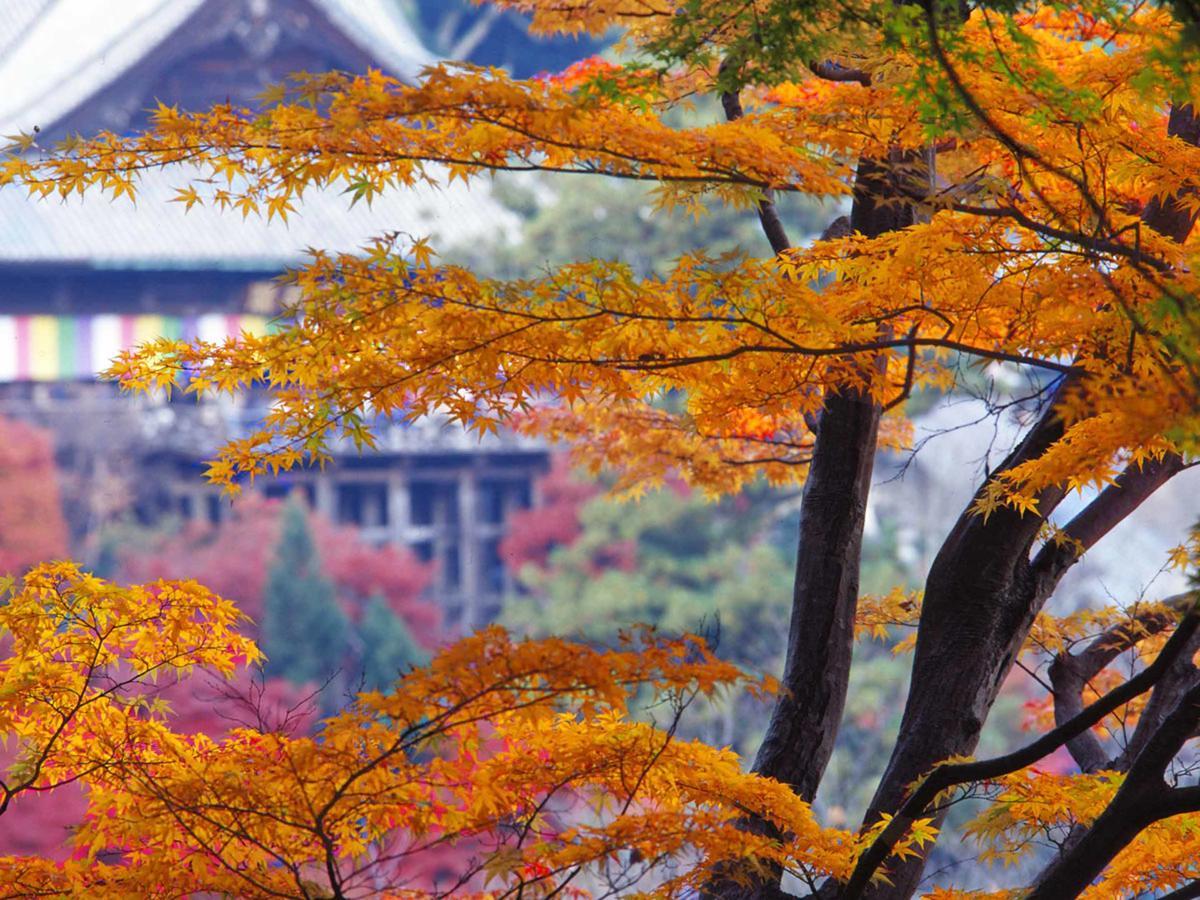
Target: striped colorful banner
(70, 348)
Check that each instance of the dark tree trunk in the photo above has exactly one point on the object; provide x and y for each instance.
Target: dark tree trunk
(983, 592)
(979, 604)
(805, 720)
(804, 723)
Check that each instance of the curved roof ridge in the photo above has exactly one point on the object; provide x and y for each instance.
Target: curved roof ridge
(377, 27)
(55, 55)
(19, 16)
(74, 49)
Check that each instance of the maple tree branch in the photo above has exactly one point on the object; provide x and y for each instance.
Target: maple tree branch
(1069, 673)
(1113, 504)
(1142, 799)
(177, 810)
(1175, 215)
(979, 587)
(1090, 242)
(1019, 149)
(910, 367)
(1004, 538)
(1131, 488)
(1168, 694)
(768, 213)
(651, 364)
(829, 70)
(949, 775)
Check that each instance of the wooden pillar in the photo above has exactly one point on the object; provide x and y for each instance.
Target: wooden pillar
(324, 498)
(399, 507)
(468, 546)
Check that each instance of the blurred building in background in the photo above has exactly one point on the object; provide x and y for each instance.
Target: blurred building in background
(82, 279)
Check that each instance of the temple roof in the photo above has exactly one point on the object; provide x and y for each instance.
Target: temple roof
(85, 65)
(57, 54)
(158, 234)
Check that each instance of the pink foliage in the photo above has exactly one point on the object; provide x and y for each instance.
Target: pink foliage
(234, 557)
(32, 528)
(203, 702)
(533, 533)
(361, 571)
(231, 559)
(40, 822)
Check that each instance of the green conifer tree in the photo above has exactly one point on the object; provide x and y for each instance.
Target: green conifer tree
(388, 647)
(304, 630)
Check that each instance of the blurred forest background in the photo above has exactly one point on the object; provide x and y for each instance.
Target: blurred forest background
(336, 609)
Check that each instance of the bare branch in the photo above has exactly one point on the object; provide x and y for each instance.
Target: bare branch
(1130, 490)
(835, 71)
(1070, 673)
(949, 775)
(1168, 694)
(1142, 799)
(768, 215)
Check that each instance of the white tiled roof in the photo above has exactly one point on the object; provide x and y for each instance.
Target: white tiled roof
(16, 19)
(64, 51)
(54, 54)
(157, 233)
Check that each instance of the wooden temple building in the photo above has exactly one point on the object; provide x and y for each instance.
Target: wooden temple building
(82, 279)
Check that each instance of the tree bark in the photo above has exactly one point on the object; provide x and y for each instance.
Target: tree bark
(979, 604)
(1070, 673)
(804, 723)
(803, 726)
(1142, 799)
(982, 594)
(948, 775)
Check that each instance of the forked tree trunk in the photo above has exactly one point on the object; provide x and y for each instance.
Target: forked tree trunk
(803, 726)
(978, 606)
(983, 592)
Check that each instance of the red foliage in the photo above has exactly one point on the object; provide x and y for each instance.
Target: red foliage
(39, 823)
(32, 528)
(233, 559)
(361, 571)
(582, 72)
(533, 533)
(206, 703)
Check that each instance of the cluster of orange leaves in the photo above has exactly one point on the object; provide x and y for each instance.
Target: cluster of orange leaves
(1032, 806)
(523, 757)
(752, 346)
